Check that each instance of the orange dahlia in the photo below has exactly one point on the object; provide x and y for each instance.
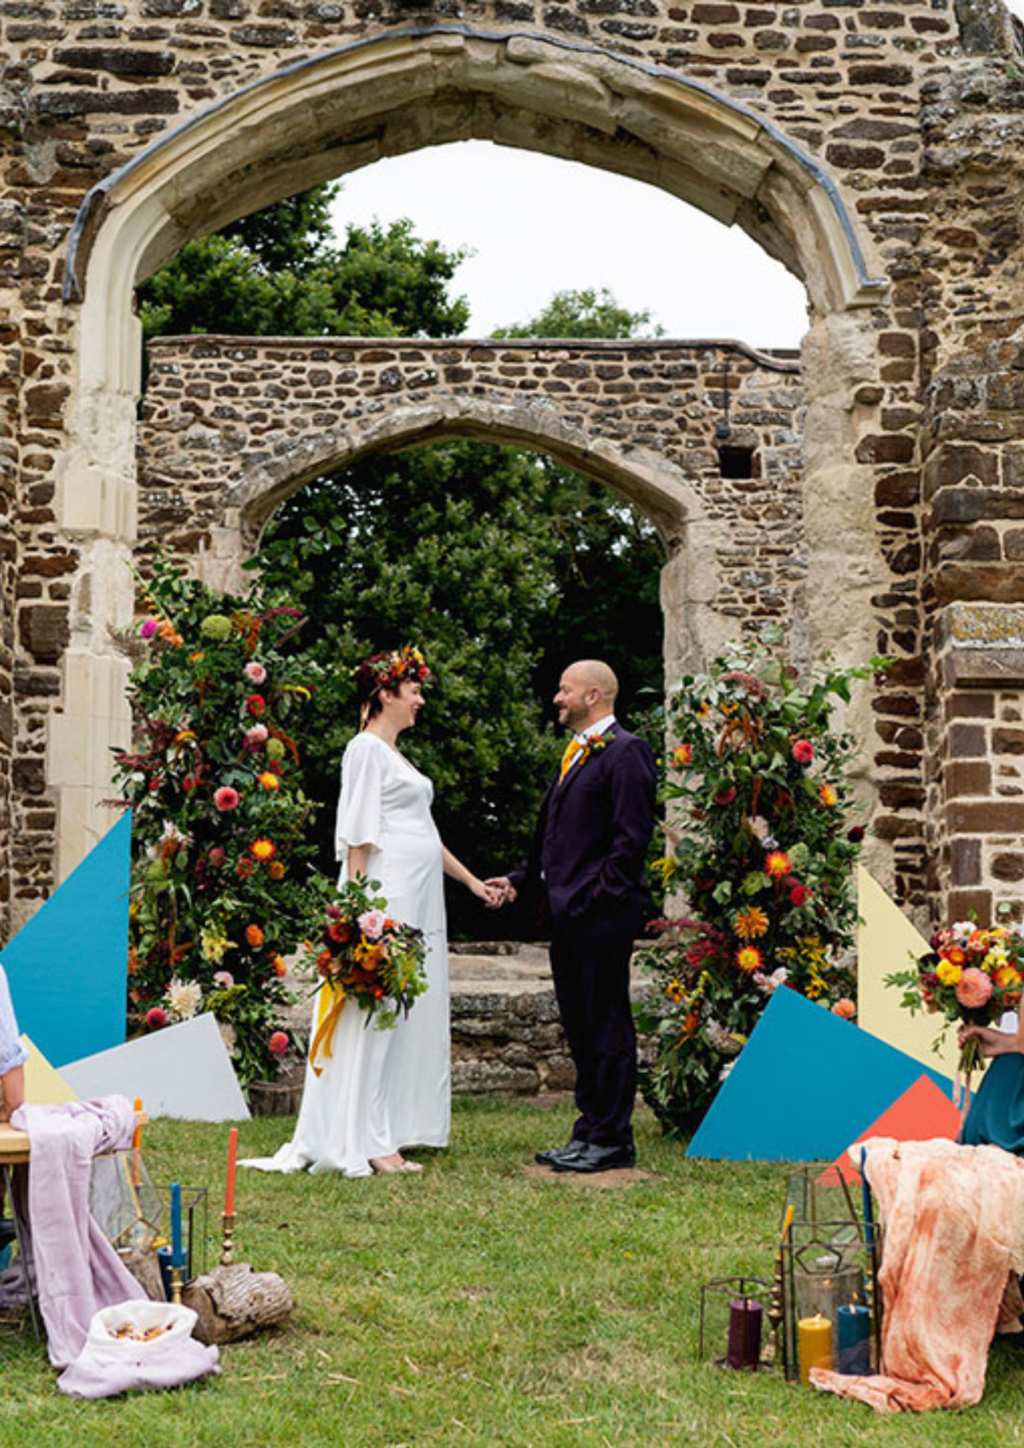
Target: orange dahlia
(749, 959)
(254, 936)
(750, 923)
(778, 865)
(269, 780)
(275, 870)
(263, 850)
(682, 755)
(828, 794)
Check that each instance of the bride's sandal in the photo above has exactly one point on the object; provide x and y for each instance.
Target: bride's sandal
(387, 1165)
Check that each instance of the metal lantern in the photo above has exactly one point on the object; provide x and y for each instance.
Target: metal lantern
(827, 1262)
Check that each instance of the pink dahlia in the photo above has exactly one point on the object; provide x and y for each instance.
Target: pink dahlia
(226, 798)
(257, 736)
(224, 979)
(256, 672)
(974, 988)
(156, 1017)
(149, 628)
(803, 751)
(278, 1043)
(844, 1009)
(371, 923)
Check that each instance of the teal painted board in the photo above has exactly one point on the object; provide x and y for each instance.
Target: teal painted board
(68, 966)
(804, 1087)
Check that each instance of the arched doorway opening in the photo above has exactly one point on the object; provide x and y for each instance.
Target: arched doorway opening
(321, 117)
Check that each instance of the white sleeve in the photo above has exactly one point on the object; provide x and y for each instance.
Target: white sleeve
(359, 805)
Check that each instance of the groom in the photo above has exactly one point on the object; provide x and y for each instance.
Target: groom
(586, 866)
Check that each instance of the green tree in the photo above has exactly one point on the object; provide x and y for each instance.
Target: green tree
(586, 313)
(279, 273)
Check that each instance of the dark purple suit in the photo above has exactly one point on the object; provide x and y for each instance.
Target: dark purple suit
(586, 866)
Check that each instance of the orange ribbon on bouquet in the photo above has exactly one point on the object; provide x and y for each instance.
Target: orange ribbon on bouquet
(330, 1004)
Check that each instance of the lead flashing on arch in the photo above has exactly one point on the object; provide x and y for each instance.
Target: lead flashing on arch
(867, 290)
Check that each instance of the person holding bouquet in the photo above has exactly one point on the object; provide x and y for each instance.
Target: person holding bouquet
(996, 1115)
(371, 1092)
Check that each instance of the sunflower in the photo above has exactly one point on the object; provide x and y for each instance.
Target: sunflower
(750, 923)
(674, 991)
(749, 959)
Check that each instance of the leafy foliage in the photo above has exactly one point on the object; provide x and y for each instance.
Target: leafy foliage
(759, 791)
(221, 890)
(279, 273)
(585, 313)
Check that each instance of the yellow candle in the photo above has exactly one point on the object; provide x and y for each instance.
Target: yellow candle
(814, 1335)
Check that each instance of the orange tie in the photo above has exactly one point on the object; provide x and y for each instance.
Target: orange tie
(571, 750)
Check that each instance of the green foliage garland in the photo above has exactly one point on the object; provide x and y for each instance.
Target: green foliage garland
(220, 888)
(758, 790)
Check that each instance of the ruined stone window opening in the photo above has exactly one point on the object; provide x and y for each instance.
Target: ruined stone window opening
(737, 461)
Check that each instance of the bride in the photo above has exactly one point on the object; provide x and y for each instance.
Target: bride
(380, 1091)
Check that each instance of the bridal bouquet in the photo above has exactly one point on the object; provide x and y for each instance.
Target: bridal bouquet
(366, 956)
(970, 977)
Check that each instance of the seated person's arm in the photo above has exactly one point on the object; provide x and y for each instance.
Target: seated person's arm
(13, 1086)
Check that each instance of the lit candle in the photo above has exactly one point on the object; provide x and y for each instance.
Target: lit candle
(229, 1195)
(745, 1317)
(854, 1350)
(177, 1255)
(814, 1337)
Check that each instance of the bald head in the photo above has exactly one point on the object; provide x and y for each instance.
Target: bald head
(586, 693)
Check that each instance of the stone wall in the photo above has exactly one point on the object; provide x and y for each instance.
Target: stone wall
(229, 426)
(876, 149)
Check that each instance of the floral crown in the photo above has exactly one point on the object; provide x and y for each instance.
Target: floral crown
(387, 670)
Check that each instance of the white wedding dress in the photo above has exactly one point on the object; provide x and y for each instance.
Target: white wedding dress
(382, 1090)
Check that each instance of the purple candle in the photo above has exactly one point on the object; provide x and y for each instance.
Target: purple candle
(745, 1317)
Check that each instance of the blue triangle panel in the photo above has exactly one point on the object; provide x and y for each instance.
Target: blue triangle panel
(68, 966)
(804, 1087)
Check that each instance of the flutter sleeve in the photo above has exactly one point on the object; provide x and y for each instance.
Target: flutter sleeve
(12, 1052)
(360, 811)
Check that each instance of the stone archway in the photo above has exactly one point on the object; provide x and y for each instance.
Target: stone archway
(408, 89)
(231, 426)
(831, 133)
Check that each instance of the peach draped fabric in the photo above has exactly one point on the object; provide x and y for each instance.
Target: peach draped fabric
(954, 1243)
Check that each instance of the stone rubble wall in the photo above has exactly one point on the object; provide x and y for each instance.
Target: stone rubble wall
(914, 110)
(220, 413)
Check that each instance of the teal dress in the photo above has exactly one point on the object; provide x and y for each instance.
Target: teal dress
(996, 1114)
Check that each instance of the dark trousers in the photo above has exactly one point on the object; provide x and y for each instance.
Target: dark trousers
(590, 964)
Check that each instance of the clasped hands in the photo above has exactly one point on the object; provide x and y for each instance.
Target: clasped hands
(499, 891)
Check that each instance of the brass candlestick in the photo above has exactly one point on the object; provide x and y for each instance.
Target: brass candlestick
(177, 1278)
(227, 1251)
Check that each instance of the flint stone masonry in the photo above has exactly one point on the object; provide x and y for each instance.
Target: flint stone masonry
(228, 426)
(876, 151)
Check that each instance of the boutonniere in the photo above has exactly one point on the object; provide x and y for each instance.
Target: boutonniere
(594, 744)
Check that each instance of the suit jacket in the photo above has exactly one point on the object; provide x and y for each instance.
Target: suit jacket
(593, 832)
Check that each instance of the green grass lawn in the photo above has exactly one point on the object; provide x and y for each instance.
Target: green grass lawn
(476, 1304)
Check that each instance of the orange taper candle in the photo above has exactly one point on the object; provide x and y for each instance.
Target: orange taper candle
(229, 1195)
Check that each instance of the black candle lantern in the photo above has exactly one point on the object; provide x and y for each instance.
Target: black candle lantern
(733, 1315)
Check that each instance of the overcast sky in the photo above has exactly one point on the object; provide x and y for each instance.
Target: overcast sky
(537, 225)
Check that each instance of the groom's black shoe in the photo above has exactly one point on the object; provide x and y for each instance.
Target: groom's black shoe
(560, 1153)
(597, 1158)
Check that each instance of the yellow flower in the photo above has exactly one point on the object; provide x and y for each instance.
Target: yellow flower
(214, 945)
(948, 973)
(674, 991)
(269, 780)
(1007, 975)
(263, 849)
(749, 959)
(750, 923)
(828, 794)
(704, 710)
(666, 868)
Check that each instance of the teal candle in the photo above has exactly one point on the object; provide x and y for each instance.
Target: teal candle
(854, 1355)
(177, 1255)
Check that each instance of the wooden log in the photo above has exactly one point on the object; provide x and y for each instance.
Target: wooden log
(145, 1268)
(233, 1302)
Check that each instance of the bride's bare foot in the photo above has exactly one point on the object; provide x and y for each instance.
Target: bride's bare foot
(395, 1162)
